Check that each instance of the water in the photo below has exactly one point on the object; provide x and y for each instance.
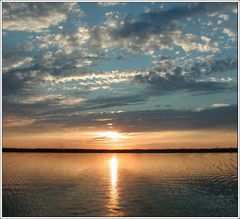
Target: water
(48, 184)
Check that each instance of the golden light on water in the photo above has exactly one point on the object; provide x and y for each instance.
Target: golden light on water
(114, 202)
(113, 163)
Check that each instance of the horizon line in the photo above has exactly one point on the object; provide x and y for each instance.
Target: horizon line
(81, 150)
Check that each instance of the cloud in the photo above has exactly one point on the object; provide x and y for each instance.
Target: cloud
(171, 83)
(67, 42)
(105, 102)
(66, 53)
(157, 30)
(57, 99)
(229, 33)
(210, 66)
(63, 56)
(161, 120)
(75, 104)
(99, 78)
(221, 117)
(186, 42)
(108, 102)
(13, 121)
(108, 4)
(168, 75)
(20, 80)
(16, 62)
(225, 17)
(165, 20)
(217, 105)
(17, 56)
(34, 17)
(34, 113)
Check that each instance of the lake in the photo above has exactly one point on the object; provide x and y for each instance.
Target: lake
(105, 184)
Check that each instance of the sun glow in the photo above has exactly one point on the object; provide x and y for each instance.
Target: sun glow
(112, 135)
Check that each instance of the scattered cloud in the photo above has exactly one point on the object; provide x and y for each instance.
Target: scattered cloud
(169, 76)
(154, 30)
(225, 17)
(63, 70)
(229, 33)
(34, 17)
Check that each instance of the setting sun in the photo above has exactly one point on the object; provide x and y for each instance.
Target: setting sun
(112, 135)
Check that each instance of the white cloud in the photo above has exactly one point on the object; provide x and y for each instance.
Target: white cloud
(16, 62)
(188, 44)
(212, 14)
(227, 79)
(63, 50)
(218, 105)
(100, 78)
(228, 32)
(107, 4)
(34, 17)
(199, 109)
(225, 17)
(66, 42)
(57, 98)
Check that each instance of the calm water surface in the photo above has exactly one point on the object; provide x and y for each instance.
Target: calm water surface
(48, 184)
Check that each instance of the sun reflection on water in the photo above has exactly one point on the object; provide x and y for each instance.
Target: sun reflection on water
(114, 202)
(113, 163)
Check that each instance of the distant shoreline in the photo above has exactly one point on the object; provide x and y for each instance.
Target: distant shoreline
(57, 150)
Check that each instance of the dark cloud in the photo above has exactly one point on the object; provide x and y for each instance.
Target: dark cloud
(107, 102)
(11, 108)
(162, 120)
(171, 83)
(148, 120)
(18, 80)
(91, 104)
(21, 80)
(155, 22)
(55, 105)
(24, 77)
(168, 76)
(208, 67)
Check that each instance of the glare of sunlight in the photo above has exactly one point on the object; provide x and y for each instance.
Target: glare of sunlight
(113, 202)
(113, 163)
(112, 135)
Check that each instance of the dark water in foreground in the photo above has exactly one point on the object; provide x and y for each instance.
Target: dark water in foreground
(37, 184)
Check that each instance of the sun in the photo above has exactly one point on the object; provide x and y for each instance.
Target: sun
(112, 135)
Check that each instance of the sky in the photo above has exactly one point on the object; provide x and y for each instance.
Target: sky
(119, 75)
